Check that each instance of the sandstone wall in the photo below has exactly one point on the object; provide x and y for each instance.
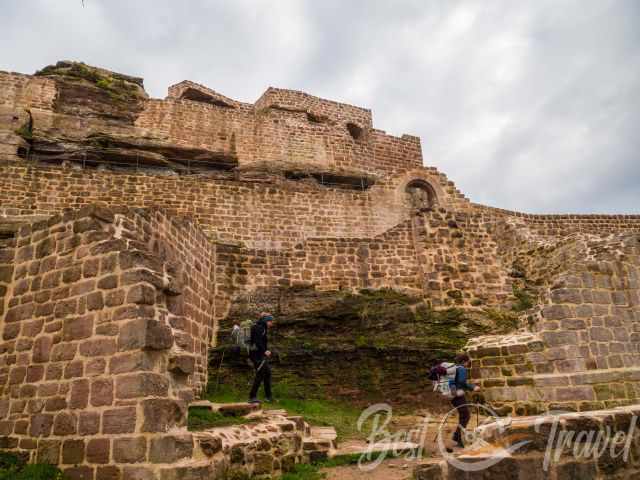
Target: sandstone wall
(106, 323)
(582, 352)
(551, 226)
(595, 445)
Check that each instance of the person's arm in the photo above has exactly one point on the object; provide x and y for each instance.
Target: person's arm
(259, 339)
(461, 379)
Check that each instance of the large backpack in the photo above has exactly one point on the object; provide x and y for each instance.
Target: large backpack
(443, 376)
(241, 335)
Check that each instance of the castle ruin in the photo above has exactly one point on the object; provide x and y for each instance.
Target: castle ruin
(130, 225)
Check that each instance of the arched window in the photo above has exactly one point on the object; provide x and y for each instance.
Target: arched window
(420, 195)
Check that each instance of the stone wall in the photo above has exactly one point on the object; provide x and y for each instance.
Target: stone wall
(107, 320)
(284, 130)
(551, 226)
(600, 444)
(582, 350)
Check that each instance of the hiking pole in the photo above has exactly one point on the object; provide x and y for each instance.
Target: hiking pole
(219, 372)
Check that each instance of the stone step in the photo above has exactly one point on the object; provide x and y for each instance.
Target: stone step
(238, 409)
(203, 404)
(227, 409)
(316, 444)
(281, 413)
(325, 433)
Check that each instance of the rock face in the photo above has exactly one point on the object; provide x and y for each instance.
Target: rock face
(374, 345)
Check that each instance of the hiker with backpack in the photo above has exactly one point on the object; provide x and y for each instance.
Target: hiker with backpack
(450, 380)
(260, 356)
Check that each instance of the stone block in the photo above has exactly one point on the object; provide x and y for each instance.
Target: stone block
(189, 473)
(78, 473)
(161, 415)
(73, 452)
(89, 423)
(112, 472)
(142, 384)
(77, 328)
(171, 448)
(130, 450)
(145, 333)
(41, 425)
(65, 424)
(98, 450)
(119, 420)
(182, 364)
(210, 445)
(102, 392)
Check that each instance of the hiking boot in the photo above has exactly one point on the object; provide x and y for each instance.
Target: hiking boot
(254, 401)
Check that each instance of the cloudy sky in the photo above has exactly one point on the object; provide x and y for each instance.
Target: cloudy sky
(526, 105)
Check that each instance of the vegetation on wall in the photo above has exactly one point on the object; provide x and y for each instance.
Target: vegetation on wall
(374, 345)
(117, 87)
(15, 467)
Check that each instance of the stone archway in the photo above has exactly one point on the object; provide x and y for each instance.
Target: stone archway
(420, 195)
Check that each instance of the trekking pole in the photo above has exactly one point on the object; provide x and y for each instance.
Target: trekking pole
(219, 372)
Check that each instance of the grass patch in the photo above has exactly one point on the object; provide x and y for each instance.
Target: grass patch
(14, 467)
(203, 418)
(312, 471)
(117, 88)
(25, 131)
(316, 411)
(524, 301)
(505, 321)
(304, 471)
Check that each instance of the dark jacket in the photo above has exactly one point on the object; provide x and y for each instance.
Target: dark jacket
(460, 380)
(259, 343)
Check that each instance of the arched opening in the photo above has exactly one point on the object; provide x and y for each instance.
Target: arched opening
(420, 195)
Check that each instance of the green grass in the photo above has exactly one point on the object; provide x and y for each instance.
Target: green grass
(304, 471)
(13, 467)
(315, 410)
(524, 301)
(202, 418)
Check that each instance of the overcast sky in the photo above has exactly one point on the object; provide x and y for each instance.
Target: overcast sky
(526, 105)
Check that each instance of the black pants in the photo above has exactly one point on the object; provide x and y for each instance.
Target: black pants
(463, 417)
(263, 374)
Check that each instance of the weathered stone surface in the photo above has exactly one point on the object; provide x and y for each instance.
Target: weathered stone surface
(130, 450)
(145, 333)
(161, 415)
(119, 420)
(170, 449)
(141, 384)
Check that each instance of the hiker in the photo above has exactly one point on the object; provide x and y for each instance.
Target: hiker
(459, 385)
(260, 355)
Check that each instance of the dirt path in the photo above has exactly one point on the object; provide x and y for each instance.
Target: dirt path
(396, 469)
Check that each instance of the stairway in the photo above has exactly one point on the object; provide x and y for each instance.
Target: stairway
(265, 442)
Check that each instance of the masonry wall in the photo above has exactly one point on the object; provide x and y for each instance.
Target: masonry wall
(600, 444)
(562, 225)
(257, 213)
(283, 130)
(103, 342)
(582, 352)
